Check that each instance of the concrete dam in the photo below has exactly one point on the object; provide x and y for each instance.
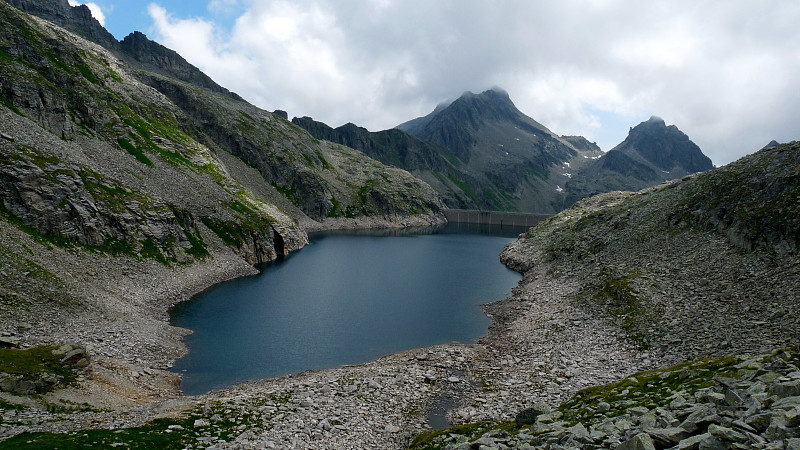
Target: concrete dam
(499, 218)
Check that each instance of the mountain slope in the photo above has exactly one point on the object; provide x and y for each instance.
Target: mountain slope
(290, 161)
(118, 200)
(689, 262)
(516, 163)
(652, 152)
(704, 267)
(400, 149)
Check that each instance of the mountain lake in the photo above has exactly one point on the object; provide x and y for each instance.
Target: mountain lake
(345, 298)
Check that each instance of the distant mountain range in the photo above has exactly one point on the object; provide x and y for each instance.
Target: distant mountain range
(480, 151)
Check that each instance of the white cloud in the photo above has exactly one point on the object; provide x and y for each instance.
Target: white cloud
(97, 13)
(721, 71)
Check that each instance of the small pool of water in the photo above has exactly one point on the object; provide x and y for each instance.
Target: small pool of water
(346, 298)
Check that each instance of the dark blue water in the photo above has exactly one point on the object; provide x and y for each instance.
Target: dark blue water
(343, 299)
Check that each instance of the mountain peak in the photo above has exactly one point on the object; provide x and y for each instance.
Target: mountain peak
(493, 94)
(666, 147)
(77, 19)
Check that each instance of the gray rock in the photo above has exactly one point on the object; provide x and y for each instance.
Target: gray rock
(641, 441)
(700, 441)
(668, 437)
(726, 434)
(73, 356)
(701, 416)
(787, 389)
(199, 423)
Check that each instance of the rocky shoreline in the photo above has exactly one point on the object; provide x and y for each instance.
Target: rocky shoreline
(382, 404)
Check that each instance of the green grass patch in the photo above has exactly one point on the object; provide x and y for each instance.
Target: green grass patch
(198, 248)
(619, 299)
(325, 164)
(230, 233)
(288, 192)
(336, 210)
(87, 73)
(151, 250)
(145, 131)
(648, 389)
(32, 362)
(164, 433)
(133, 150)
(437, 439)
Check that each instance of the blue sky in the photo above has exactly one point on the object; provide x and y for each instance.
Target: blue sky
(125, 16)
(725, 72)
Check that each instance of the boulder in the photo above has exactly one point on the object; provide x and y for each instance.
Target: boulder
(641, 441)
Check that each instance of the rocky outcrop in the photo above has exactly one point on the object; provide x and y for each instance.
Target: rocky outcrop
(74, 203)
(752, 201)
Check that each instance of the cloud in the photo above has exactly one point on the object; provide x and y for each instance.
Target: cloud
(721, 71)
(97, 13)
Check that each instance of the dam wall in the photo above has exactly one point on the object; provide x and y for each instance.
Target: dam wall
(501, 218)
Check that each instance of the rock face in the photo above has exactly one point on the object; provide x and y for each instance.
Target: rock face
(653, 152)
(75, 203)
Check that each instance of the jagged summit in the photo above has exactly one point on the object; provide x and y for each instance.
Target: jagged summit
(77, 19)
(665, 147)
(651, 153)
(515, 162)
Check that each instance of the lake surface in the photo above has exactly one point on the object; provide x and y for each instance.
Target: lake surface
(346, 298)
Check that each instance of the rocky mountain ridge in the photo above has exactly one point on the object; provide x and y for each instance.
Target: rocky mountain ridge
(398, 148)
(512, 162)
